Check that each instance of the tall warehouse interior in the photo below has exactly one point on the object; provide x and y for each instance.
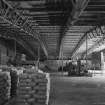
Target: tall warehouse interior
(52, 52)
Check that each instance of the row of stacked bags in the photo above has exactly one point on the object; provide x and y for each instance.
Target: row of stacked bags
(5, 84)
(29, 87)
(32, 88)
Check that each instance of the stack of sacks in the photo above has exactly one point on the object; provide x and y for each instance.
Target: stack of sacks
(5, 86)
(14, 80)
(41, 89)
(32, 88)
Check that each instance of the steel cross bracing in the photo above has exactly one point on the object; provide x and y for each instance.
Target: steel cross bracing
(95, 37)
(101, 39)
(13, 34)
(11, 16)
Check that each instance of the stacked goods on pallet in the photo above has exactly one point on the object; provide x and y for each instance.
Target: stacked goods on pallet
(41, 89)
(5, 86)
(14, 80)
(5, 68)
(32, 88)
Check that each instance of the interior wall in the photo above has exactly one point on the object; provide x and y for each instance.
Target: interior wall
(5, 51)
(3, 54)
(96, 60)
(52, 64)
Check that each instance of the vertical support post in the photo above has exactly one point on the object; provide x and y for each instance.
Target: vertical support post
(62, 59)
(0, 50)
(86, 51)
(102, 62)
(38, 55)
(15, 46)
(38, 52)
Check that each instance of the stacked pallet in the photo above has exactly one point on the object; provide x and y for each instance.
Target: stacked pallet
(14, 80)
(32, 88)
(5, 86)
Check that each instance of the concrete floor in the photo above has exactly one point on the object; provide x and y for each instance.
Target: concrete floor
(77, 91)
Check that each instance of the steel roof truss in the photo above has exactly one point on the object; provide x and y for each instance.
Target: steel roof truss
(18, 22)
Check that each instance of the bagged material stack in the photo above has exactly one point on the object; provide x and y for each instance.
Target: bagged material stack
(32, 88)
(41, 89)
(14, 80)
(5, 86)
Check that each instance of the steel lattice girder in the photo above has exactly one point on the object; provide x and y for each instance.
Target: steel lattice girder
(10, 15)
